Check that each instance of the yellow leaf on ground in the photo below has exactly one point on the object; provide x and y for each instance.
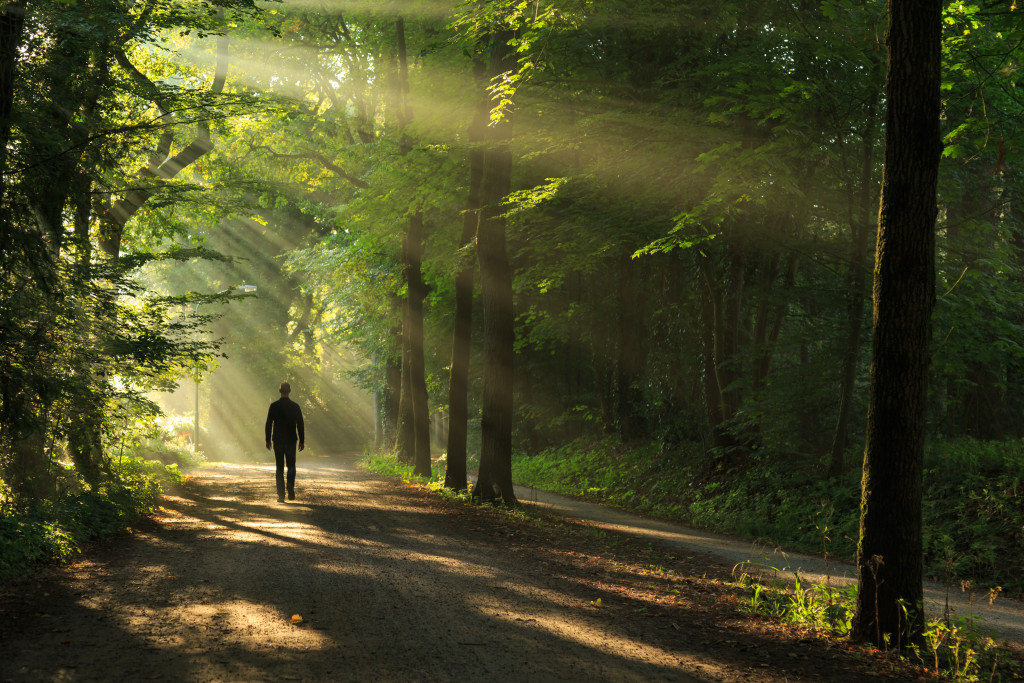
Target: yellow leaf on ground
(296, 618)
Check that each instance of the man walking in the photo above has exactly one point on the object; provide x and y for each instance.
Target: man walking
(284, 419)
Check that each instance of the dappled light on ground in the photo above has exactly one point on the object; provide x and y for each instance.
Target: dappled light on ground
(361, 579)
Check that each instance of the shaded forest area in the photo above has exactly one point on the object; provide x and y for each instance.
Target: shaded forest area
(630, 244)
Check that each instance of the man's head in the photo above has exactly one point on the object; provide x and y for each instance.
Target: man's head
(285, 388)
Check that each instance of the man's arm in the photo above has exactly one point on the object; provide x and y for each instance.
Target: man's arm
(270, 423)
(301, 426)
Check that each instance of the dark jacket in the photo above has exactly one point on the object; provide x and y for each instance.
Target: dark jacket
(283, 419)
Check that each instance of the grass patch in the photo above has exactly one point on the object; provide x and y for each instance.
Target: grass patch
(973, 506)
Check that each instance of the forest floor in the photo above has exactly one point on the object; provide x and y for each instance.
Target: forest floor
(998, 613)
(393, 583)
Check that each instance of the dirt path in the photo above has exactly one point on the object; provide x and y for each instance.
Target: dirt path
(392, 585)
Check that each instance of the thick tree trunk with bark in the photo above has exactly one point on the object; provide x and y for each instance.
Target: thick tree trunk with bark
(889, 554)
(495, 474)
(405, 430)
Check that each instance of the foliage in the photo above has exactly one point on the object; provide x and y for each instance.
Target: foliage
(973, 511)
(55, 531)
(956, 649)
(387, 464)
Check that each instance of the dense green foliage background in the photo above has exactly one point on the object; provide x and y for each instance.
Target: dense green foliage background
(693, 200)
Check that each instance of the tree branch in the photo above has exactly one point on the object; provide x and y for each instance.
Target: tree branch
(315, 156)
(121, 211)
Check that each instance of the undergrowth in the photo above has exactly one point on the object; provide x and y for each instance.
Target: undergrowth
(973, 506)
(55, 530)
(955, 648)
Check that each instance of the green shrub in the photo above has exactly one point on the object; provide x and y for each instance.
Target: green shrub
(55, 531)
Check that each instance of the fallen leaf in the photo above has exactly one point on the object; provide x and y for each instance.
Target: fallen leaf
(296, 618)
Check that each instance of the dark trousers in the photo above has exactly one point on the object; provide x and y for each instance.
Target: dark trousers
(284, 452)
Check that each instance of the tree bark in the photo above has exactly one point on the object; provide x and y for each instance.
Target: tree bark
(12, 28)
(85, 439)
(889, 554)
(391, 393)
(414, 429)
(456, 477)
(413, 337)
(405, 432)
(495, 475)
(630, 418)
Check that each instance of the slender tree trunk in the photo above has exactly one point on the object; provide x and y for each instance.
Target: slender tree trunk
(458, 383)
(406, 428)
(630, 418)
(889, 554)
(713, 402)
(414, 429)
(12, 28)
(721, 309)
(495, 475)
(85, 434)
(762, 319)
(600, 352)
(456, 477)
(414, 340)
(391, 394)
(860, 227)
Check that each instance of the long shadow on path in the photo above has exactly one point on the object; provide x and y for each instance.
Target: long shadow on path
(1005, 616)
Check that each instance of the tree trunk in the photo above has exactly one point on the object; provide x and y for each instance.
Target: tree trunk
(115, 216)
(391, 394)
(860, 227)
(406, 428)
(458, 383)
(889, 554)
(456, 477)
(630, 418)
(721, 320)
(495, 475)
(413, 337)
(85, 434)
(12, 27)
(600, 352)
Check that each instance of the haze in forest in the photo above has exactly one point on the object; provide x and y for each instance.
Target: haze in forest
(643, 251)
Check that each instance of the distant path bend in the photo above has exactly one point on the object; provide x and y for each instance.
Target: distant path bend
(1005, 616)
